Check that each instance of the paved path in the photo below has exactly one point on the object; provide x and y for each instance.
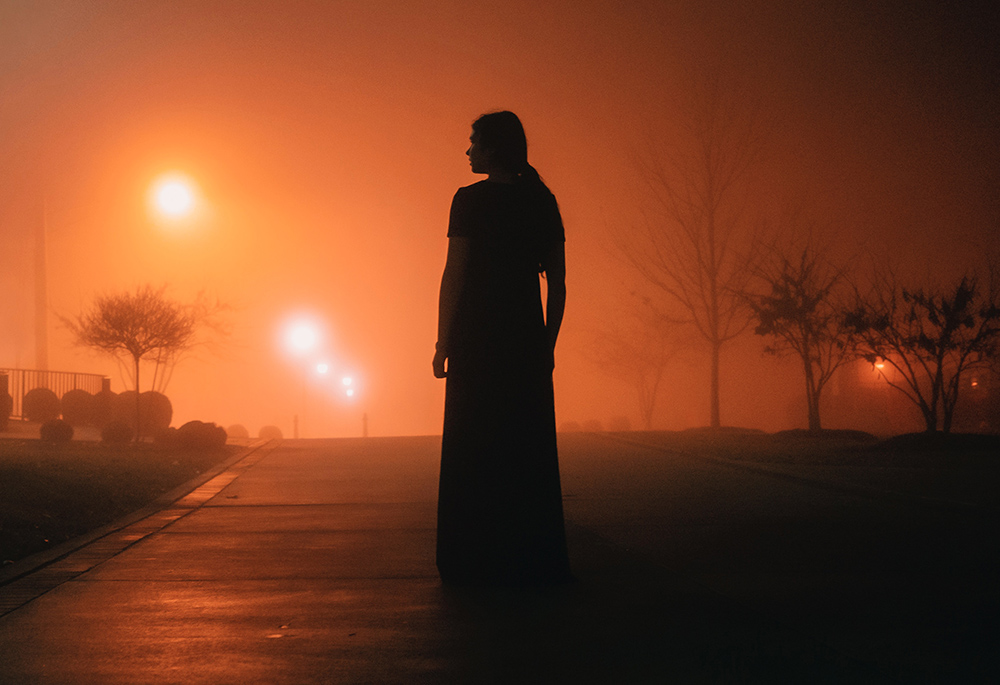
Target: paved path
(312, 562)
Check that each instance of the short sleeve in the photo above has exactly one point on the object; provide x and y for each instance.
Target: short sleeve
(459, 222)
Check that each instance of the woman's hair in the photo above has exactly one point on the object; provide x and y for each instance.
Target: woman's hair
(503, 134)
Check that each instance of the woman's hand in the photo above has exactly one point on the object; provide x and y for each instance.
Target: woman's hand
(438, 364)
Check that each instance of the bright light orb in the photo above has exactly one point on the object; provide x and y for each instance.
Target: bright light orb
(302, 337)
(347, 380)
(322, 368)
(350, 392)
(174, 197)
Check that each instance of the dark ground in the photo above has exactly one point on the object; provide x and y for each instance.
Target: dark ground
(726, 557)
(886, 551)
(50, 494)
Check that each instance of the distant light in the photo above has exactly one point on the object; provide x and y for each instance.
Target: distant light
(173, 196)
(975, 383)
(322, 368)
(302, 336)
(350, 392)
(879, 365)
(347, 380)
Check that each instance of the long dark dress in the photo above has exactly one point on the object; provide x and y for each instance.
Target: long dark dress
(500, 517)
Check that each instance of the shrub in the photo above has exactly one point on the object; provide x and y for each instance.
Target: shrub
(123, 408)
(154, 408)
(40, 405)
(156, 412)
(166, 437)
(201, 435)
(104, 407)
(116, 433)
(238, 430)
(6, 407)
(270, 433)
(56, 431)
(78, 407)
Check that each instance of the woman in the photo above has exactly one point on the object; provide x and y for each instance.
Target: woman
(500, 518)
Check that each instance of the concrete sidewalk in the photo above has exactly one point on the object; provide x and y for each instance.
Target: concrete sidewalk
(313, 562)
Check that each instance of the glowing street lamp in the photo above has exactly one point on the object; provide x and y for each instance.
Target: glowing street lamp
(173, 196)
(302, 336)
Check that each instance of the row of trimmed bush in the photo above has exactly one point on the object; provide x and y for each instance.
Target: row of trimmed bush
(81, 408)
(114, 414)
(192, 435)
(238, 430)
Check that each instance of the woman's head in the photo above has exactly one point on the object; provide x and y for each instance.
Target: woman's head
(501, 135)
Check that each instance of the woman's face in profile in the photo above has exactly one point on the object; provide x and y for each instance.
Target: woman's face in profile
(479, 158)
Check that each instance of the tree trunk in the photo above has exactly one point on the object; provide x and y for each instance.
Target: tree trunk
(948, 413)
(949, 400)
(714, 389)
(138, 423)
(814, 423)
(930, 419)
(812, 396)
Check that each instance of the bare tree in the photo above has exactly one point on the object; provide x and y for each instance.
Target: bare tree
(803, 309)
(212, 326)
(930, 337)
(695, 248)
(137, 326)
(637, 346)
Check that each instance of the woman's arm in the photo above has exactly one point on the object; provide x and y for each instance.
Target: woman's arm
(452, 284)
(555, 304)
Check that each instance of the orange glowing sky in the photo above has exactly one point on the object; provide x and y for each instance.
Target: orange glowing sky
(325, 141)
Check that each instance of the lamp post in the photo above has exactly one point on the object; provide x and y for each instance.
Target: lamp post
(302, 336)
(41, 294)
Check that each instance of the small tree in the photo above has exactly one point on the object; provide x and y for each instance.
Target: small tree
(696, 246)
(637, 347)
(135, 326)
(803, 311)
(930, 337)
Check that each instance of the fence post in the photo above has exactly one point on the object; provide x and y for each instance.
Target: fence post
(4, 384)
(105, 384)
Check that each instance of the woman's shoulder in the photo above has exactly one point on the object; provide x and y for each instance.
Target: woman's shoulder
(475, 188)
(484, 187)
(470, 192)
(489, 194)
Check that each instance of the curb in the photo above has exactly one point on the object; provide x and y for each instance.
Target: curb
(118, 535)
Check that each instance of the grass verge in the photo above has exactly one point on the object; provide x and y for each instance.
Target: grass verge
(51, 494)
(834, 447)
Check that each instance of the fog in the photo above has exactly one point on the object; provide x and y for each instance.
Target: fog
(326, 139)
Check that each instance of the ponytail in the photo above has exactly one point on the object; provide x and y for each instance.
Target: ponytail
(529, 175)
(530, 178)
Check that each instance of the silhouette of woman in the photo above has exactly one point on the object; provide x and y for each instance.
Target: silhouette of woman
(500, 517)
